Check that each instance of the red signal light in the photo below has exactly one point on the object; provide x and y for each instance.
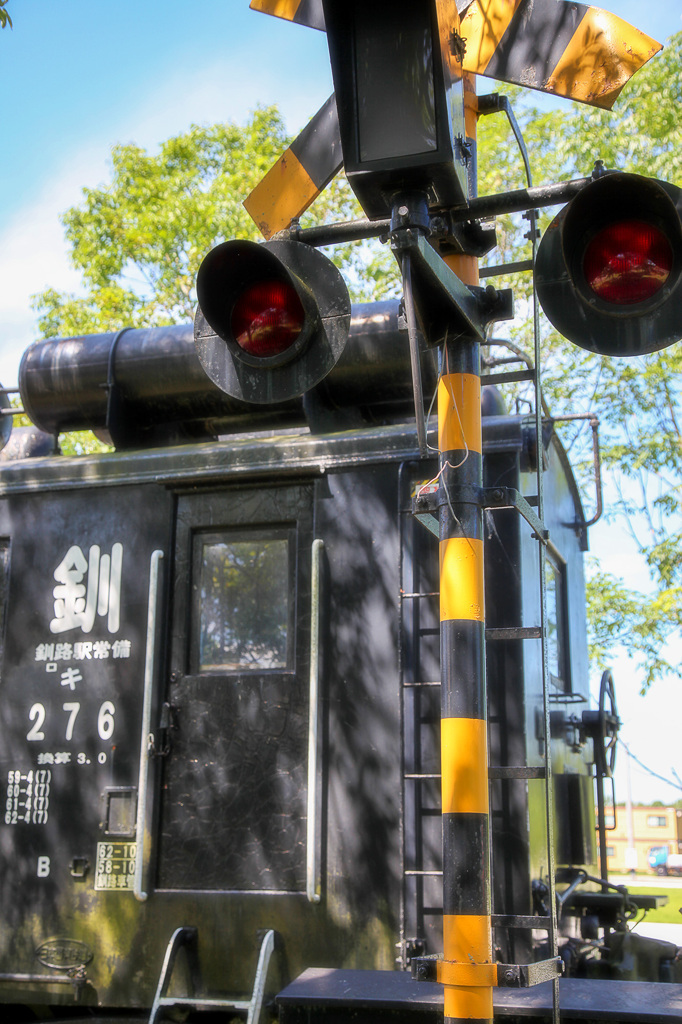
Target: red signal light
(609, 267)
(267, 318)
(628, 262)
(272, 320)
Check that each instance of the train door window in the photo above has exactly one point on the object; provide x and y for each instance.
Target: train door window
(557, 623)
(244, 601)
(233, 800)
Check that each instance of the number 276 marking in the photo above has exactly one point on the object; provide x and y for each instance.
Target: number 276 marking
(105, 720)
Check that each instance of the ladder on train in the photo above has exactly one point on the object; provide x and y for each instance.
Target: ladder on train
(419, 624)
(184, 940)
(420, 709)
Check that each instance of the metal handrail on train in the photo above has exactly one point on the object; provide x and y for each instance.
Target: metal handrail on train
(314, 694)
(492, 104)
(146, 739)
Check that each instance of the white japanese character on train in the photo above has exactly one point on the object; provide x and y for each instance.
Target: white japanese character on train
(87, 587)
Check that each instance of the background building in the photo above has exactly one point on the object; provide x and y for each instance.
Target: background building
(650, 826)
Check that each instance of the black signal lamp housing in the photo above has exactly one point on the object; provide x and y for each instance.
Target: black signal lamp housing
(609, 266)
(397, 78)
(272, 321)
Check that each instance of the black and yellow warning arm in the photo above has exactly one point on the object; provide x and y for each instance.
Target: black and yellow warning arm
(568, 49)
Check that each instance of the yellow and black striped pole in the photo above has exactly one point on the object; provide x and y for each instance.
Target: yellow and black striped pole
(467, 970)
(467, 937)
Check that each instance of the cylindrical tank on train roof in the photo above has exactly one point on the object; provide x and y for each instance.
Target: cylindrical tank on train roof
(147, 385)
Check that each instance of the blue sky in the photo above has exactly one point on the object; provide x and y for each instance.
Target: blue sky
(77, 76)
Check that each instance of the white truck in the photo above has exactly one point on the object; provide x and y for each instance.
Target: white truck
(663, 862)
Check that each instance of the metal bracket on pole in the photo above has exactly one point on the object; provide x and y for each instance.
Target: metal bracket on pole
(509, 497)
(425, 505)
(444, 304)
(432, 968)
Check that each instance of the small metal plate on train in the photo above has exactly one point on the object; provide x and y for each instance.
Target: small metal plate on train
(63, 954)
(115, 868)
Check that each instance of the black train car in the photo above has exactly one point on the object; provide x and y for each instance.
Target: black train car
(219, 716)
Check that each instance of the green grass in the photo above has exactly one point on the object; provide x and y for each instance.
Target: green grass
(670, 913)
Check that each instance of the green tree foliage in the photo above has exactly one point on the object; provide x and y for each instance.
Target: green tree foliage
(5, 19)
(138, 241)
(636, 399)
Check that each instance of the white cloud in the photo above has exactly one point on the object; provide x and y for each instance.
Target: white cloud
(33, 256)
(225, 91)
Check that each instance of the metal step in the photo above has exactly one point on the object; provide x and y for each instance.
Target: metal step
(186, 938)
(516, 267)
(514, 633)
(517, 772)
(521, 921)
(495, 772)
(508, 377)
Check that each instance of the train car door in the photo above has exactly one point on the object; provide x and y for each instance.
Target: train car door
(233, 803)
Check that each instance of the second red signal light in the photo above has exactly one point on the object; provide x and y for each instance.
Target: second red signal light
(628, 262)
(609, 266)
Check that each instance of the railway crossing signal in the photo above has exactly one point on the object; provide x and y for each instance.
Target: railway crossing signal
(272, 321)
(397, 68)
(609, 266)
